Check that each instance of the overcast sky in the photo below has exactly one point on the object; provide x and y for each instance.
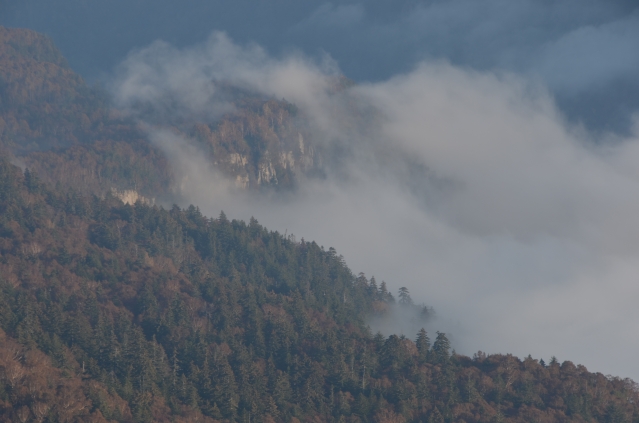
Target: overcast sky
(584, 50)
(498, 181)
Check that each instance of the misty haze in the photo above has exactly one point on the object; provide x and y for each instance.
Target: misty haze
(470, 188)
(482, 154)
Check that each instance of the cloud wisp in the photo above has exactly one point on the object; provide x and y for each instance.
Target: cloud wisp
(468, 187)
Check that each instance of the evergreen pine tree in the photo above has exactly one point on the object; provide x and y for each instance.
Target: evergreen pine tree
(441, 348)
(423, 344)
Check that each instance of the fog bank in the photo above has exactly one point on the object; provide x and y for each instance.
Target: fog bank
(468, 187)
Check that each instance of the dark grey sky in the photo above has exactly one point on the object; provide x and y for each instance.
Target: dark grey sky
(587, 51)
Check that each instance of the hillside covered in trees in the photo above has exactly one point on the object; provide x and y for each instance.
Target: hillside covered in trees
(133, 313)
(114, 312)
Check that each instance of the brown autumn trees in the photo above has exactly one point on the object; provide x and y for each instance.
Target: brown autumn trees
(133, 313)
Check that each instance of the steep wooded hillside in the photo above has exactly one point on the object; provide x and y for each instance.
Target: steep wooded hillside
(52, 122)
(133, 313)
(43, 103)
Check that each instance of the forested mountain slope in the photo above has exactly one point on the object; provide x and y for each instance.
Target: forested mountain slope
(133, 313)
(51, 121)
(68, 132)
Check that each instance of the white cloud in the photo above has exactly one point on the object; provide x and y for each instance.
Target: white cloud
(521, 233)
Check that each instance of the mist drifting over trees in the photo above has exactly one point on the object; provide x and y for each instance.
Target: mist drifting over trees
(480, 159)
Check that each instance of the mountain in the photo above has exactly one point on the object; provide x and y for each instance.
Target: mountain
(54, 123)
(123, 311)
(133, 313)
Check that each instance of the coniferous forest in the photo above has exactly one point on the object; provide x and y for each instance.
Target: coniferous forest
(133, 313)
(114, 312)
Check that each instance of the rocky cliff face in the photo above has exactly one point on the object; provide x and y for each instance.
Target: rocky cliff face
(259, 145)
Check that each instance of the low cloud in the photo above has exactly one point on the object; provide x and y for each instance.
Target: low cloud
(468, 187)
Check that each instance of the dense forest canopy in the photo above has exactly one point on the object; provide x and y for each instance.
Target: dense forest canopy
(118, 312)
